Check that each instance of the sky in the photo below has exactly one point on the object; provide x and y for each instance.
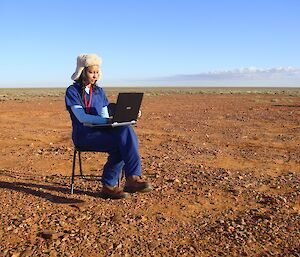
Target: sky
(152, 43)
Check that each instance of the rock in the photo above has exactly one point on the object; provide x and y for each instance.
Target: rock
(177, 181)
(141, 218)
(9, 228)
(50, 235)
(27, 253)
(16, 254)
(116, 218)
(79, 206)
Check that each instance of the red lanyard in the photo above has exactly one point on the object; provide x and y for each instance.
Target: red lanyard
(88, 103)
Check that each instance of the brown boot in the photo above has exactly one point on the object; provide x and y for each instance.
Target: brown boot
(136, 184)
(113, 192)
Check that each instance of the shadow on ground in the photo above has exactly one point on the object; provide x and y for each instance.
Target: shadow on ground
(37, 190)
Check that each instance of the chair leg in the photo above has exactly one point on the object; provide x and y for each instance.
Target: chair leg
(80, 164)
(73, 171)
(120, 178)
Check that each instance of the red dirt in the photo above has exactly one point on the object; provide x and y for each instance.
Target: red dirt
(225, 170)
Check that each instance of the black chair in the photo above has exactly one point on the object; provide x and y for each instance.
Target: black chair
(111, 109)
(77, 151)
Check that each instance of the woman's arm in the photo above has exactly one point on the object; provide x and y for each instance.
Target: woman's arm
(87, 118)
(104, 112)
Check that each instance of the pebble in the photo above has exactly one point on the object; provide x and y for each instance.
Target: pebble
(27, 253)
(50, 235)
(116, 218)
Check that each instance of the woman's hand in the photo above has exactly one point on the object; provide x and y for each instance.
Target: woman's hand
(109, 120)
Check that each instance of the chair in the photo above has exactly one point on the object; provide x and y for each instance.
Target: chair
(76, 150)
(111, 110)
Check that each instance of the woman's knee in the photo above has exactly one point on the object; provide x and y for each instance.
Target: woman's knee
(125, 131)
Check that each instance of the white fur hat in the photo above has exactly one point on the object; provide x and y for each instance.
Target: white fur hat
(85, 60)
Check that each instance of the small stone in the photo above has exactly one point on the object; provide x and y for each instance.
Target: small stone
(27, 253)
(177, 181)
(48, 234)
(116, 218)
(141, 218)
(230, 229)
(290, 228)
(9, 228)
(119, 246)
(80, 206)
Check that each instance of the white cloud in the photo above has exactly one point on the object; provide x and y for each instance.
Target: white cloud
(249, 76)
(251, 73)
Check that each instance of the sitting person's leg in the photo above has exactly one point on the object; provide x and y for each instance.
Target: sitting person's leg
(129, 151)
(122, 146)
(126, 156)
(110, 176)
(112, 169)
(128, 148)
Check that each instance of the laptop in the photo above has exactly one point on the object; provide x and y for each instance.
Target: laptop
(126, 111)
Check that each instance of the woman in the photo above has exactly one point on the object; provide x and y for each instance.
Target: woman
(87, 103)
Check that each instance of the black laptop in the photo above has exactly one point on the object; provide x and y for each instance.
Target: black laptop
(126, 110)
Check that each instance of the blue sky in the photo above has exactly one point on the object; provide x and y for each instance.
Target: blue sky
(152, 43)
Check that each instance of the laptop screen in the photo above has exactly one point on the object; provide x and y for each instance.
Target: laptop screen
(127, 107)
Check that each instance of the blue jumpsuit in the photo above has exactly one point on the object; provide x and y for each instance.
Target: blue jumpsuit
(120, 143)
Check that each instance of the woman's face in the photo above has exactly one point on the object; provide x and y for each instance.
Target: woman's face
(91, 74)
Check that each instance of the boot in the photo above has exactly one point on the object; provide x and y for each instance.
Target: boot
(136, 184)
(113, 192)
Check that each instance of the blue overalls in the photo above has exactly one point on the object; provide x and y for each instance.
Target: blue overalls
(120, 143)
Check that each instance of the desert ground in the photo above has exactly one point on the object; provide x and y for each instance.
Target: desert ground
(225, 166)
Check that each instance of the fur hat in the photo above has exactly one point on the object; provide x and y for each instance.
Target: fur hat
(83, 61)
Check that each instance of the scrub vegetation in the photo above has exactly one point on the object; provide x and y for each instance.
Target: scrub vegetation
(24, 94)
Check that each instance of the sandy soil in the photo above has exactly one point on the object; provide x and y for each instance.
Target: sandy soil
(225, 170)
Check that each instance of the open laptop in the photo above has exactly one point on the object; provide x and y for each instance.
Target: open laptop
(126, 110)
